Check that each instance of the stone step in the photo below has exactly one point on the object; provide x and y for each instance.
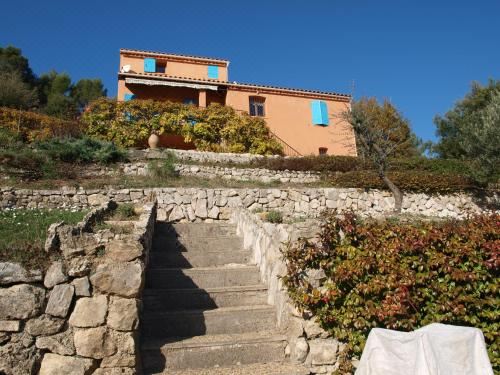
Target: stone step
(252, 369)
(181, 299)
(188, 259)
(195, 229)
(211, 350)
(202, 277)
(197, 244)
(225, 320)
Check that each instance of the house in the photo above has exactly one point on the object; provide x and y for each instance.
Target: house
(305, 122)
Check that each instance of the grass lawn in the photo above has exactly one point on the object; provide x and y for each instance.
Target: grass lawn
(23, 233)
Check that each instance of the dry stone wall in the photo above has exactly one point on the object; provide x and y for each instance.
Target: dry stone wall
(228, 173)
(200, 204)
(308, 344)
(81, 316)
(196, 156)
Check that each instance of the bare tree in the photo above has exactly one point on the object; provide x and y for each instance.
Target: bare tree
(381, 133)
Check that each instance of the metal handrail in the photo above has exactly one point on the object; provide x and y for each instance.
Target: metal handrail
(287, 149)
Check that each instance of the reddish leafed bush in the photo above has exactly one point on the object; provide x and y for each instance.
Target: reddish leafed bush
(399, 276)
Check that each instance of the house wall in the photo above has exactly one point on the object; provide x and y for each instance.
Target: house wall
(290, 118)
(175, 67)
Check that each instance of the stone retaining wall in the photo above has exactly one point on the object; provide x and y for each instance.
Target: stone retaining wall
(81, 316)
(308, 343)
(200, 204)
(194, 155)
(238, 174)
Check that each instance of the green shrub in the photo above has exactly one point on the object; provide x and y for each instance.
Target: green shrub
(399, 276)
(23, 163)
(415, 181)
(80, 150)
(164, 168)
(215, 128)
(124, 211)
(274, 217)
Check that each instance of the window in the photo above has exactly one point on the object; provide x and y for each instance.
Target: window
(213, 72)
(323, 150)
(190, 101)
(319, 112)
(149, 65)
(161, 67)
(257, 106)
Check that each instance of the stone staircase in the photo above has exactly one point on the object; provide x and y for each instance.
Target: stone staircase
(205, 308)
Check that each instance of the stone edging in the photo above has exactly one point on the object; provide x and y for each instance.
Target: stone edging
(308, 344)
(83, 314)
(201, 204)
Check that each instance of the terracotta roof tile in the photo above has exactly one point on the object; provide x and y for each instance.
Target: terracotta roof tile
(237, 84)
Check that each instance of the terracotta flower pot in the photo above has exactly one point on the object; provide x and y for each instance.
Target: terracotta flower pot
(153, 141)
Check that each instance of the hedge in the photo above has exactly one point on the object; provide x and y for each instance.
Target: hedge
(31, 126)
(399, 276)
(215, 128)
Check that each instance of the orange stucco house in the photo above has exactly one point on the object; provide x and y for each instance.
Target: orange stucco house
(305, 122)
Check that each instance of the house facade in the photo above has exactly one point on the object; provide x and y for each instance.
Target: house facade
(305, 122)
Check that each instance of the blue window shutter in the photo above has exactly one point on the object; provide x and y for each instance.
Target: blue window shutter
(149, 65)
(319, 112)
(128, 97)
(324, 113)
(213, 72)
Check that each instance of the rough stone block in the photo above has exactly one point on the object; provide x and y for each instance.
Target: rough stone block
(62, 365)
(123, 314)
(10, 325)
(323, 351)
(82, 286)
(21, 301)
(89, 312)
(61, 343)
(94, 343)
(60, 300)
(56, 274)
(123, 250)
(123, 279)
(11, 273)
(44, 325)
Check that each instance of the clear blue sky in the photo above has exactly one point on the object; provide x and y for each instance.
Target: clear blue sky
(422, 55)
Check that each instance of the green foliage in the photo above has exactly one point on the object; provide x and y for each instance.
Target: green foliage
(23, 233)
(24, 163)
(481, 142)
(124, 211)
(15, 93)
(466, 113)
(275, 217)
(86, 91)
(216, 128)
(383, 125)
(164, 168)
(399, 276)
(12, 61)
(81, 150)
(407, 180)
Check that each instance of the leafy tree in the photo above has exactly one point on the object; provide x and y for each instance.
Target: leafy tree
(452, 126)
(480, 141)
(381, 133)
(55, 89)
(15, 93)
(87, 90)
(387, 120)
(12, 61)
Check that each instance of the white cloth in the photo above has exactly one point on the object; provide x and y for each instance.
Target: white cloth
(436, 349)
